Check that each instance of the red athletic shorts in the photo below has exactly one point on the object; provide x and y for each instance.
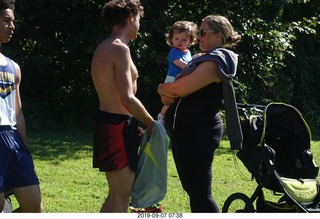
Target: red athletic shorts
(115, 142)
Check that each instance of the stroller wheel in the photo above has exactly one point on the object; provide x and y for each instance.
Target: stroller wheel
(282, 199)
(239, 203)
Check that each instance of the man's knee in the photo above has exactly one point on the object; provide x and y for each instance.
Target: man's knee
(29, 199)
(30, 208)
(36, 207)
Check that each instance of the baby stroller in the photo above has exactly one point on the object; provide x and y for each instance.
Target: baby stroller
(276, 151)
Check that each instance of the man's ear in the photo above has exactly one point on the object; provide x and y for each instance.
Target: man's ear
(131, 17)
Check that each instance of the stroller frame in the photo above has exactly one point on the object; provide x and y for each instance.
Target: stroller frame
(268, 131)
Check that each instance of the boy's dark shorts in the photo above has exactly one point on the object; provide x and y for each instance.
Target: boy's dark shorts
(16, 164)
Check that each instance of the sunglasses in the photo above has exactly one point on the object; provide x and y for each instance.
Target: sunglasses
(202, 33)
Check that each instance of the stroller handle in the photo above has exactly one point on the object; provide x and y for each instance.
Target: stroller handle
(245, 108)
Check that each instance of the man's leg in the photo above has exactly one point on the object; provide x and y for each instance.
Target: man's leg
(29, 199)
(1, 201)
(120, 185)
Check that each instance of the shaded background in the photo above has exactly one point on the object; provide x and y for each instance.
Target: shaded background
(54, 42)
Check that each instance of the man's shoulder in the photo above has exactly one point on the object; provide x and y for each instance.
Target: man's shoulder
(112, 48)
(5, 59)
(114, 43)
(116, 47)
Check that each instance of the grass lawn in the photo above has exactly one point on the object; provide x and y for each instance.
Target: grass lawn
(69, 184)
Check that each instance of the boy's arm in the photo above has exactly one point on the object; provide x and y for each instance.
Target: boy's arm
(21, 125)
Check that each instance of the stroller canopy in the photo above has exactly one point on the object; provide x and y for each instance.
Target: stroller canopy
(282, 129)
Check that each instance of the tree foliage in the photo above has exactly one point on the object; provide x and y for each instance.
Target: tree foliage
(54, 42)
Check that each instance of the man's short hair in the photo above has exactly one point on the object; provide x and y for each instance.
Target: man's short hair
(7, 4)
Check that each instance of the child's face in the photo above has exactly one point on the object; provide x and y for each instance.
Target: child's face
(181, 40)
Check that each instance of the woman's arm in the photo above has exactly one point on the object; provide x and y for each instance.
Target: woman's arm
(205, 74)
(167, 100)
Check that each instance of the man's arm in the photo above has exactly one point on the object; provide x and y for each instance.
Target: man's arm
(21, 125)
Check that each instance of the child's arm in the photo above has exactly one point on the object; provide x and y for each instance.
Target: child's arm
(197, 55)
(180, 63)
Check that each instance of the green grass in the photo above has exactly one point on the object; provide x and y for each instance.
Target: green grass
(69, 184)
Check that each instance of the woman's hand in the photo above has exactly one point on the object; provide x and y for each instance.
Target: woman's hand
(167, 100)
(162, 91)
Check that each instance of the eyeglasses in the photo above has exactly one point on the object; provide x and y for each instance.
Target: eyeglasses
(202, 33)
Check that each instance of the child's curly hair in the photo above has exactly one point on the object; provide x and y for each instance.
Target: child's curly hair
(183, 26)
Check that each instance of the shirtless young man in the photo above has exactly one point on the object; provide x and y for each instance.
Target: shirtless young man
(116, 136)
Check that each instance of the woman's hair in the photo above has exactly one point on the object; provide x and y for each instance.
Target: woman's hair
(189, 27)
(7, 4)
(221, 24)
(116, 12)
